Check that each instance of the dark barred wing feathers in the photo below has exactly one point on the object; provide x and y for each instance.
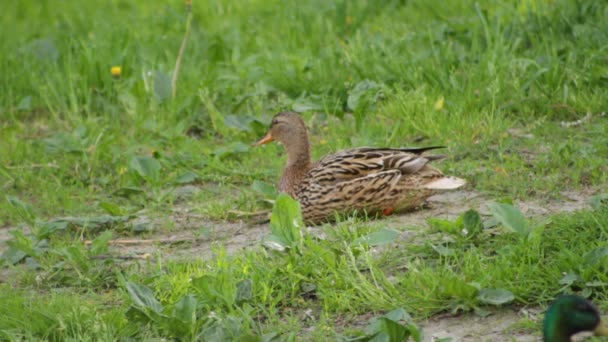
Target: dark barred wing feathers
(361, 162)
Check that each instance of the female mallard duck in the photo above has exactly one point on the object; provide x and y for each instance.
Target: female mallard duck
(569, 315)
(361, 179)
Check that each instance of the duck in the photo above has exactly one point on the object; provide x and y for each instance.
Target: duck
(358, 180)
(569, 315)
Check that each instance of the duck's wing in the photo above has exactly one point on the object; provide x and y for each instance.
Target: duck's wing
(368, 192)
(360, 162)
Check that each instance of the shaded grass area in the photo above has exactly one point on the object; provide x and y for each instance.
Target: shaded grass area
(492, 81)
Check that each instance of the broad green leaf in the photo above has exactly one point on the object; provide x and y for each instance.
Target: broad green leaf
(111, 208)
(387, 327)
(472, 223)
(308, 287)
(490, 223)
(128, 102)
(25, 104)
(274, 242)
(362, 98)
(381, 237)
(475, 285)
(510, 217)
(92, 222)
(595, 283)
(265, 189)
(395, 315)
(442, 225)
(32, 264)
(143, 297)
(239, 122)
(142, 227)
(286, 220)
(391, 331)
(137, 314)
(63, 142)
(204, 285)
(306, 103)
(147, 167)
(214, 332)
(22, 243)
(228, 328)
(128, 191)
(13, 255)
(44, 49)
(185, 309)
(217, 289)
(234, 147)
(481, 312)
(495, 296)
(598, 201)
(399, 315)
(244, 291)
(186, 178)
(162, 86)
(596, 255)
(360, 90)
(442, 250)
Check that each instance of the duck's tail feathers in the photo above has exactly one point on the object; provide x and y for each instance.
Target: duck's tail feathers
(446, 183)
(419, 150)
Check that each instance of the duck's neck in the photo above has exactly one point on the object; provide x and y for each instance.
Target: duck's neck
(298, 150)
(554, 332)
(298, 162)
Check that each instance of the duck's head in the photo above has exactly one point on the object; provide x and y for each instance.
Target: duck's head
(286, 128)
(569, 315)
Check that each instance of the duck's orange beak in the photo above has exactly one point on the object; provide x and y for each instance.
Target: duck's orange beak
(265, 140)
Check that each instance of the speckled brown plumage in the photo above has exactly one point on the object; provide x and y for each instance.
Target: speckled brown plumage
(360, 179)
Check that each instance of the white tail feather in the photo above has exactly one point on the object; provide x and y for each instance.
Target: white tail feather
(446, 183)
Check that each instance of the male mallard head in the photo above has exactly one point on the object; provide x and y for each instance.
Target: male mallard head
(569, 315)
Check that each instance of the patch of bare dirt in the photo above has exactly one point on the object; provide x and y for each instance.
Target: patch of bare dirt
(193, 236)
(499, 326)
(189, 241)
(449, 205)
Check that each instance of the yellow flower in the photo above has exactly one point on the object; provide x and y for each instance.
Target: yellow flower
(439, 104)
(116, 71)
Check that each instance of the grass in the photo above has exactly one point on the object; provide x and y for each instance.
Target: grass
(493, 81)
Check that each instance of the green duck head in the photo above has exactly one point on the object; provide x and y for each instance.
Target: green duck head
(569, 315)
